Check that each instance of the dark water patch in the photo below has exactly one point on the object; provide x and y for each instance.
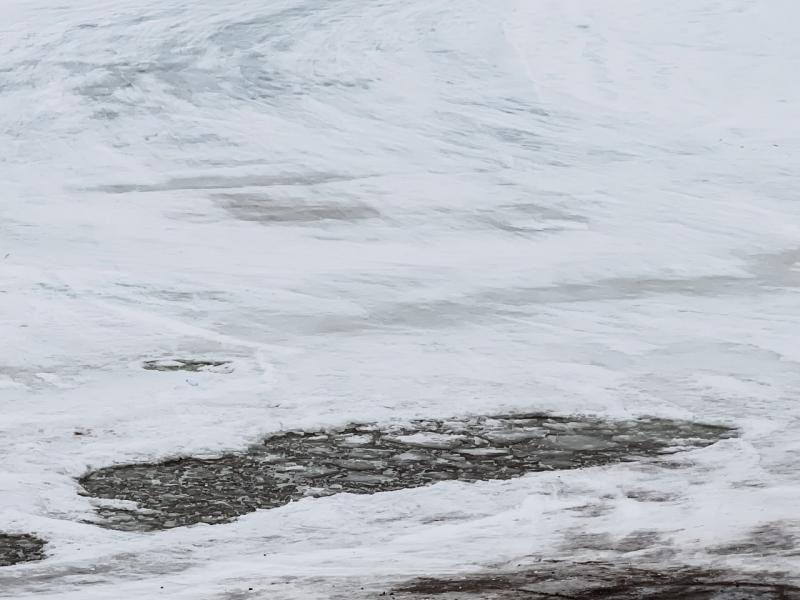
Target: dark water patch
(20, 547)
(598, 581)
(187, 364)
(370, 458)
(651, 495)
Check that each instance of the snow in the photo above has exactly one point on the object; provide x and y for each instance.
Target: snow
(427, 439)
(564, 205)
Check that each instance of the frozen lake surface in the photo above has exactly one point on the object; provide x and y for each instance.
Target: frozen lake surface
(221, 223)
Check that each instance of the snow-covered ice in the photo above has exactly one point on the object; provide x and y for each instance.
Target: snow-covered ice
(372, 211)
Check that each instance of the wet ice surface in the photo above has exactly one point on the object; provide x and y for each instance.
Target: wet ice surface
(389, 212)
(598, 581)
(20, 547)
(367, 458)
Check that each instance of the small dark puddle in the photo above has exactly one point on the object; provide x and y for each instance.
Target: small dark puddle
(20, 547)
(182, 364)
(369, 458)
(597, 581)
